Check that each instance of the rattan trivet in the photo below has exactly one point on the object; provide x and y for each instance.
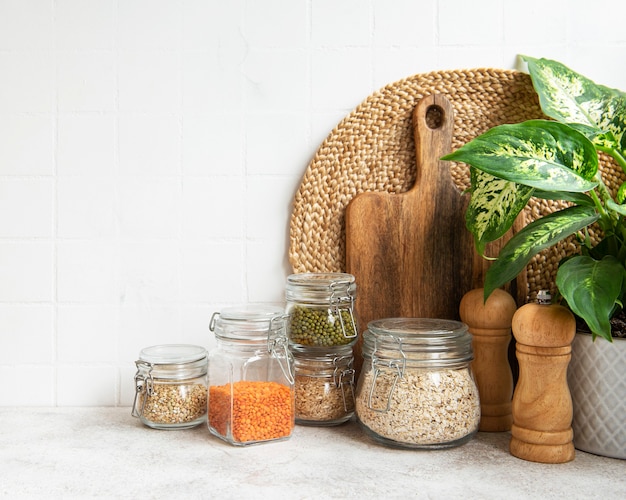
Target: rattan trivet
(372, 149)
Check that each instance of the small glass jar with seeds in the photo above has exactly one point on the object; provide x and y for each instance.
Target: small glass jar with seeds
(324, 385)
(171, 386)
(251, 378)
(416, 388)
(320, 308)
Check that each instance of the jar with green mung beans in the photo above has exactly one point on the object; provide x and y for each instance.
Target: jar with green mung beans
(320, 308)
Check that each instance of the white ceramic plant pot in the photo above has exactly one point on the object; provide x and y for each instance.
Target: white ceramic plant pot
(597, 381)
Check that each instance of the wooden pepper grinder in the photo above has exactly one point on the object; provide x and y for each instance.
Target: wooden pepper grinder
(542, 404)
(490, 325)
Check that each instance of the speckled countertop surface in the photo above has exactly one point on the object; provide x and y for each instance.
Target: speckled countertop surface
(104, 452)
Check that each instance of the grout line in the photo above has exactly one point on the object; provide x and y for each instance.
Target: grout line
(55, 233)
(181, 185)
(244, 158)
(116, 206)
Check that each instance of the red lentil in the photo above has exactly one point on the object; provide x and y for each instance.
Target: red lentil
(261, 411)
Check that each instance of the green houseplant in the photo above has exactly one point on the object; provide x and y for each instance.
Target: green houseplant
(557, 159)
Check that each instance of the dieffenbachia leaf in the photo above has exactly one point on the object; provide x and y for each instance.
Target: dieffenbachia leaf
(592, 289)
(536, 236)
(577, 198)
(537, 153)
(493, 207)
(597, 111)
(620, 209)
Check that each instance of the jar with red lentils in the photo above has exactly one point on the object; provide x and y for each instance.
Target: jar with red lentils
(251, 376)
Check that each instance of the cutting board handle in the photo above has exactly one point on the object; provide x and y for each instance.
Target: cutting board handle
(433, 127)
(410, 252)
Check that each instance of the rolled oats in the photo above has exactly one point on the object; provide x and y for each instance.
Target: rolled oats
(417, 388)
(424, 408)
(320, 400)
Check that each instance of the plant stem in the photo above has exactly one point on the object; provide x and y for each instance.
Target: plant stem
(604, 193)
(615, 154)
(608, 220)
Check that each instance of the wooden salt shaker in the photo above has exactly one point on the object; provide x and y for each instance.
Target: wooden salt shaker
(542, 404)
(490, 325)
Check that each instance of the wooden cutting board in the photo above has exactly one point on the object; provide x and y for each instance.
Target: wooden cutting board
(410, 253)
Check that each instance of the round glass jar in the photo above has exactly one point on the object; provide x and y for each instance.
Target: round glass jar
(417, 389)
(320, 309)
(324, 384)
(251, 378)
(171, 386)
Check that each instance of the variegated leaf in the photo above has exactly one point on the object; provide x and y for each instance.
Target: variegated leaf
(536, 236)
(570, 97)
(577, 198)
(493, 207)
(537, 153)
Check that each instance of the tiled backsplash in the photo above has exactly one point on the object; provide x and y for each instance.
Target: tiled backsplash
(150, 150)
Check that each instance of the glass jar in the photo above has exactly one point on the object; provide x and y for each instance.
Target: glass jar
(417, 389)
(171, 386)
(251, 379)
(320, 309)
(324, 385)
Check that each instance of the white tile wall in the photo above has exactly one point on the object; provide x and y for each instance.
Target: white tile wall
(150, 149)
(19, 131)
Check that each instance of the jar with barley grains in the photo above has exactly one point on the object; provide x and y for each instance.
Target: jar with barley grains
(171, 386)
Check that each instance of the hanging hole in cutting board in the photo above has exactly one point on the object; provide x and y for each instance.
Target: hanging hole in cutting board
(434, 117)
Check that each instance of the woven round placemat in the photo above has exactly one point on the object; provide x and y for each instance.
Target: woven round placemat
(373, 149)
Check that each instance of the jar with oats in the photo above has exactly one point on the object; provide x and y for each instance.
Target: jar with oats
(171, 386)
(251, 378)
(417, 389)
(324, 385)
(320, 309)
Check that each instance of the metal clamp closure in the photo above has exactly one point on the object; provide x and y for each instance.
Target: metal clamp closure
(342, 376)
(389, 368)
(277, 346)
(144, 384)
(338, 303)
(214, 317)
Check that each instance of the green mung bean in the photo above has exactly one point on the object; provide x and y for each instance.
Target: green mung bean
(321, 326)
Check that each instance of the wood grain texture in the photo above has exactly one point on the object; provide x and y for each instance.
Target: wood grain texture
(542, 404)
(411, 253)
(490, 325)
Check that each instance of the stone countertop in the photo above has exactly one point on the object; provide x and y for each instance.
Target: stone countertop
(106, 453)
